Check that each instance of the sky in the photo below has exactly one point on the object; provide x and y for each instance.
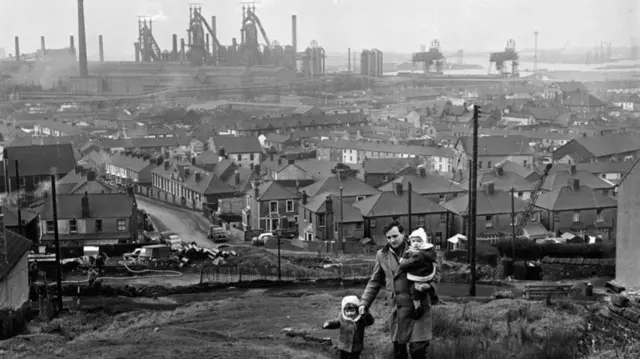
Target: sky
(390, 25)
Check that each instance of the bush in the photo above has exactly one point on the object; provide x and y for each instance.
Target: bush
(526, 249)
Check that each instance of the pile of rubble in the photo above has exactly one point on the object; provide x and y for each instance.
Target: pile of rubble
(192, 252)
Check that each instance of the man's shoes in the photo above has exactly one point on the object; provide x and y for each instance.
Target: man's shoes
(418, 312)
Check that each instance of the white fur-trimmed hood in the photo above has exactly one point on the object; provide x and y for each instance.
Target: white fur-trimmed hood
(350, 299)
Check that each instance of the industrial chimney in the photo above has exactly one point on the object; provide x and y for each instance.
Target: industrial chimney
(349, 60)
(182, 53)
(82, 41)
(174, 50)
(72, 45)
(100, 48)
(17, 48)
(42, 44)
(294, 40)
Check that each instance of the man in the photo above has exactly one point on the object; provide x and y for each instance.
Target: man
(404, 329)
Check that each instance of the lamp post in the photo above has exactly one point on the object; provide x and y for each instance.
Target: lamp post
(278, 234)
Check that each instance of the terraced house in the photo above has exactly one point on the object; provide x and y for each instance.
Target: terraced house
(128, 168)
(243, 151)
(296, 123)
(187, 185)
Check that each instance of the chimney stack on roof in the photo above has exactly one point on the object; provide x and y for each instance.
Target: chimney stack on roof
(572, 170)
(305, 197)
(257, 169)
(397, 187)
(91, 175)
(256, 189)
(291, 161)
(422, 172)
(499, 170)
(574, 183)
(84, 202)
(490, 187)
(237, 178)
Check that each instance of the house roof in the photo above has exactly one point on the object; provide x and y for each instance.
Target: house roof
(40, 160)
(498, 202)
(352, 214)
(11, 215)
(207, 184)
(571, 86)
(207, 158)
(272, 191)
(566, 198)
(499, 145)
(559, 176)
(101, 205)
(543, 113)
(386, 204)
(430, 184)
(510, 166)
(131, 162)
(276, 137)
(351, 187)
(232, 144)
(17, 246)
(505, 181)
(387, 165)
(606, 145)
(604, 167)
(582, 99)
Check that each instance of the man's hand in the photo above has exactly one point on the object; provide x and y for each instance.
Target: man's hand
(362, 310)
(325, 325)
(422, 287)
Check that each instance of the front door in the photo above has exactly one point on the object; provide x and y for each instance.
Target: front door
(275, 223)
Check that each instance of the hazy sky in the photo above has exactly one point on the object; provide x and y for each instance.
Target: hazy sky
(390, 25)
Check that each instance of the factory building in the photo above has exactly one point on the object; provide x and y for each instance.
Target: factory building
(371, 63)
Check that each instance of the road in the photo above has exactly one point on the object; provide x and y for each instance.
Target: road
(189, 225)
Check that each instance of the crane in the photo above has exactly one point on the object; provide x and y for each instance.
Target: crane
(525, 215)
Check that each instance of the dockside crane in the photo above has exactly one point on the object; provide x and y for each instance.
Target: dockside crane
(525, 215)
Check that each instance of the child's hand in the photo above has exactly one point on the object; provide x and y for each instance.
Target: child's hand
(325, 325)
(403, 260)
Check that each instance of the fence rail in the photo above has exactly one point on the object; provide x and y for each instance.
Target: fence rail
(216, 274)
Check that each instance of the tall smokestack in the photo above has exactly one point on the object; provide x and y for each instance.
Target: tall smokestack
(100, 48)
(72, 45)
(42, 44)
(182, 53)
(82, 41)
(136, 46)
(17, 48)
(174, 49)
(535, 53)
(349, 60)
(294, 40)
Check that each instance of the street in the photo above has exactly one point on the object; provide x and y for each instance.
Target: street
(189, 225)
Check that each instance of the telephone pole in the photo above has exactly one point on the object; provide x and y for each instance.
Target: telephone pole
(340, 234)
(409, 189)
(19, 200)
(513, 225)
(56, 237)
(474, 199)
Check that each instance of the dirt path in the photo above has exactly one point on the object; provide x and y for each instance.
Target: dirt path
(189, 225)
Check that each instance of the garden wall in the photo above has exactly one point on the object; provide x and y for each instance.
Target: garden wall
(576, 268)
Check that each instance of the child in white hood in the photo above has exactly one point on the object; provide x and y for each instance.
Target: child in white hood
(419, 264)
(351, 325)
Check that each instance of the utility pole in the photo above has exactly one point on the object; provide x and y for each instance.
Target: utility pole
(409, 189)
(513, 225)
(473, 195)
(470, 163)
(19, 201)
(278, 232)
(56, 237)
(340, 234)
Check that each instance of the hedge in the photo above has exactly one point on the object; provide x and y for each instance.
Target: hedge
(526, 249)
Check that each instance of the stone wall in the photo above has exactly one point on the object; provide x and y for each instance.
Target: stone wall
(576, 268)
(622, 315)
(13, 322)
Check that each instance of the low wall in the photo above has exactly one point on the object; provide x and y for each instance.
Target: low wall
(576, 268)
(349, 247)
(621, 316)
(13, 322)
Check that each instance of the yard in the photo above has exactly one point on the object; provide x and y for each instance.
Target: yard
(236, 323)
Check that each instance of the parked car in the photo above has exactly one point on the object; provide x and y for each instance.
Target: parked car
(261, 239)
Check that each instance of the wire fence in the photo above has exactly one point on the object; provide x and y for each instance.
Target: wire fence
(235, 274)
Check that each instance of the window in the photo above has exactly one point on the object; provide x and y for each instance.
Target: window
(373, 223)
(385, 178)
(358, 225)
(524, 163)
(50, 227)
(273, 207)
(420, 221)
(576, 216)
(443, 217)
(513, 220)
(289, 205)
(294, 223)
(239, 156)
(308, 236)
(98, 225)
(488, 164)
(520, 194)
(556, 217)
(359, 198)
(488, 222)
(480, 165)
(321, 218)
(441, 198)
(22, 182)
(122, 225)
(251, 156)
(73, 226)
(534, 217)
(599, 216)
